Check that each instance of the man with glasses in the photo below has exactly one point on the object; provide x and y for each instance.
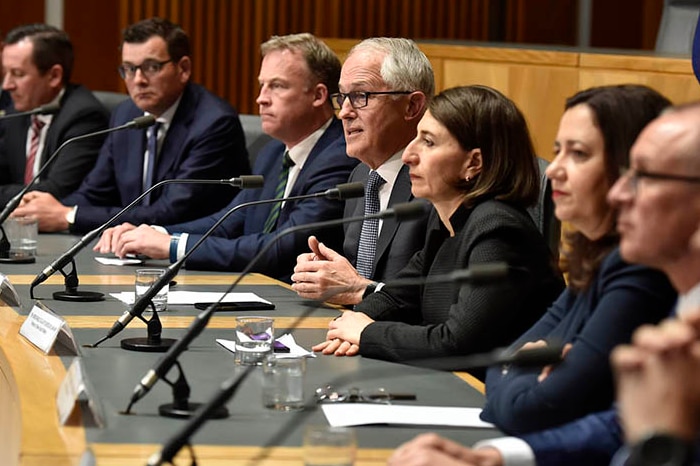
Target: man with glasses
(385, 84)
(658, 375)
(297, 75)
(196, 135)
(38, 61)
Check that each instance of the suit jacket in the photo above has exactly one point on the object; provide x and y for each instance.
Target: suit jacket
(444, 319)
(80, 113)
(241, 236)
(397, 242)
(589, 441)
(205, 140)
(620, 298)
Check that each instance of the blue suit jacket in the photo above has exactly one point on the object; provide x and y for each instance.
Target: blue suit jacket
(589, 441)
(241, 236)
(205, 140)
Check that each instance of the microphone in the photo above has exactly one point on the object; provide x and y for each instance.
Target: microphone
(136, 123)
(48, 109)
(341, 191)
(534, 357)
(401, 212)
(243, 182)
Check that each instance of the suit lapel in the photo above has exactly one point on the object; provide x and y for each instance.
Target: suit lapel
(174, 143)
(400, 193)
(332, 132)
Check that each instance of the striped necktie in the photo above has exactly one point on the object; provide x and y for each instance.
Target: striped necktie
(36, 127)
(271, 221)
(370, 228)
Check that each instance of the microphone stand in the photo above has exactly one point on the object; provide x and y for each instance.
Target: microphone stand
(229, 387)
(67, 257)
(342, 191)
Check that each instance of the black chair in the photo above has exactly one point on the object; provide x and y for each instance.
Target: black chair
(542, 213)
(255, 138)
(678, 26)
(110, 100)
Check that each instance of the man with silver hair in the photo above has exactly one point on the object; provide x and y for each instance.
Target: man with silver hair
(385, 85)
(297, 76)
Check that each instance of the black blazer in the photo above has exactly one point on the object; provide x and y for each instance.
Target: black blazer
(80, 113)
(442, 319)
(397, 241)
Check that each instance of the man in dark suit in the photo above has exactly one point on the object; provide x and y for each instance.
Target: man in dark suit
(38, 61)
(380, 108)
(196, 135)
(297, 75)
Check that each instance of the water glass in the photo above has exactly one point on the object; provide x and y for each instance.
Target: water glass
(329, 446)
(254, 337)
(145, 278)
(22, 233)
(283, 382)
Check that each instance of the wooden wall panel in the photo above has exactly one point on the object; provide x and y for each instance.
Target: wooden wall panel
(13, 14)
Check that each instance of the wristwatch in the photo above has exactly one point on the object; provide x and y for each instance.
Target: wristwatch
(372, 287)
(659, 449)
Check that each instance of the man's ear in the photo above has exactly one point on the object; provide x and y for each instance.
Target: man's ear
(55, 74)
(185, 69)
(321, 95)
(416, 105)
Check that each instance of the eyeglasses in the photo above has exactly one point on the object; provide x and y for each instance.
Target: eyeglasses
(632, 176)
(149, 68)
(329, 394)
(359, 99)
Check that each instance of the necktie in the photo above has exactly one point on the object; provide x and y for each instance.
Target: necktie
(271, 221)
(37, 124)
(370, 228)
(152, 148)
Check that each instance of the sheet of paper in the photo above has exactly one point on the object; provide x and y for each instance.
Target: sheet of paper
(191, 297)
(359, 414)
(287, 340)
(117, 261)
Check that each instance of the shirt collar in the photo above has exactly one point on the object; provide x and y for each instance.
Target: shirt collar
(167, 116)
(300, 152)
(390, 169)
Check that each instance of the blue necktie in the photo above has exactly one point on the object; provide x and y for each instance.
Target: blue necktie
(271, 221)
(152, 148)
(370, 228)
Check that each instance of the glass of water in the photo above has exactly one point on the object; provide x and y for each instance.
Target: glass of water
(254, 337)
(145, 278)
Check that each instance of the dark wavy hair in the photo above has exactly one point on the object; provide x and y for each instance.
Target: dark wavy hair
(620, 113)
(481, 117)
(177, 40)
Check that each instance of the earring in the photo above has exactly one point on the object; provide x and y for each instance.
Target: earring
(468, 178)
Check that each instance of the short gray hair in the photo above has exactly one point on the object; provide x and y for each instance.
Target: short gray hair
(405, 67)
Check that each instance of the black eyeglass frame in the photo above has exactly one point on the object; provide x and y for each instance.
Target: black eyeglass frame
(338, 98)
(131, 71)
(633, 176)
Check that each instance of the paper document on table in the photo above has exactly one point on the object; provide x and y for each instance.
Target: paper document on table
(360, 414)
(191, 297)
(117, 261)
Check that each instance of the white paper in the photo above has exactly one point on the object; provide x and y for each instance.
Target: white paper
(359, 414)
(191, 297)
(117, 261)
(41, 327)
(286, 339)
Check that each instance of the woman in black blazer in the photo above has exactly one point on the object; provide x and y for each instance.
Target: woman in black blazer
(473, 160)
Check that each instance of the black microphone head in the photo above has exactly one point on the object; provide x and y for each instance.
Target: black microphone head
(49, 109)
(346, 191)
(249, 181)
(143, 122)
(407, 210)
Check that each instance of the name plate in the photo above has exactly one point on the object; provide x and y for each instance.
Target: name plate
(8, 293)
(44, 328)
(74, 393)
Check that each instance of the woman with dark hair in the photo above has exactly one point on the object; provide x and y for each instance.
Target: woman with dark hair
(607, 299)
(474, 161)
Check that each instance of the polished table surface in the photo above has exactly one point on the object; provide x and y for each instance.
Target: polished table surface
(250, 435)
